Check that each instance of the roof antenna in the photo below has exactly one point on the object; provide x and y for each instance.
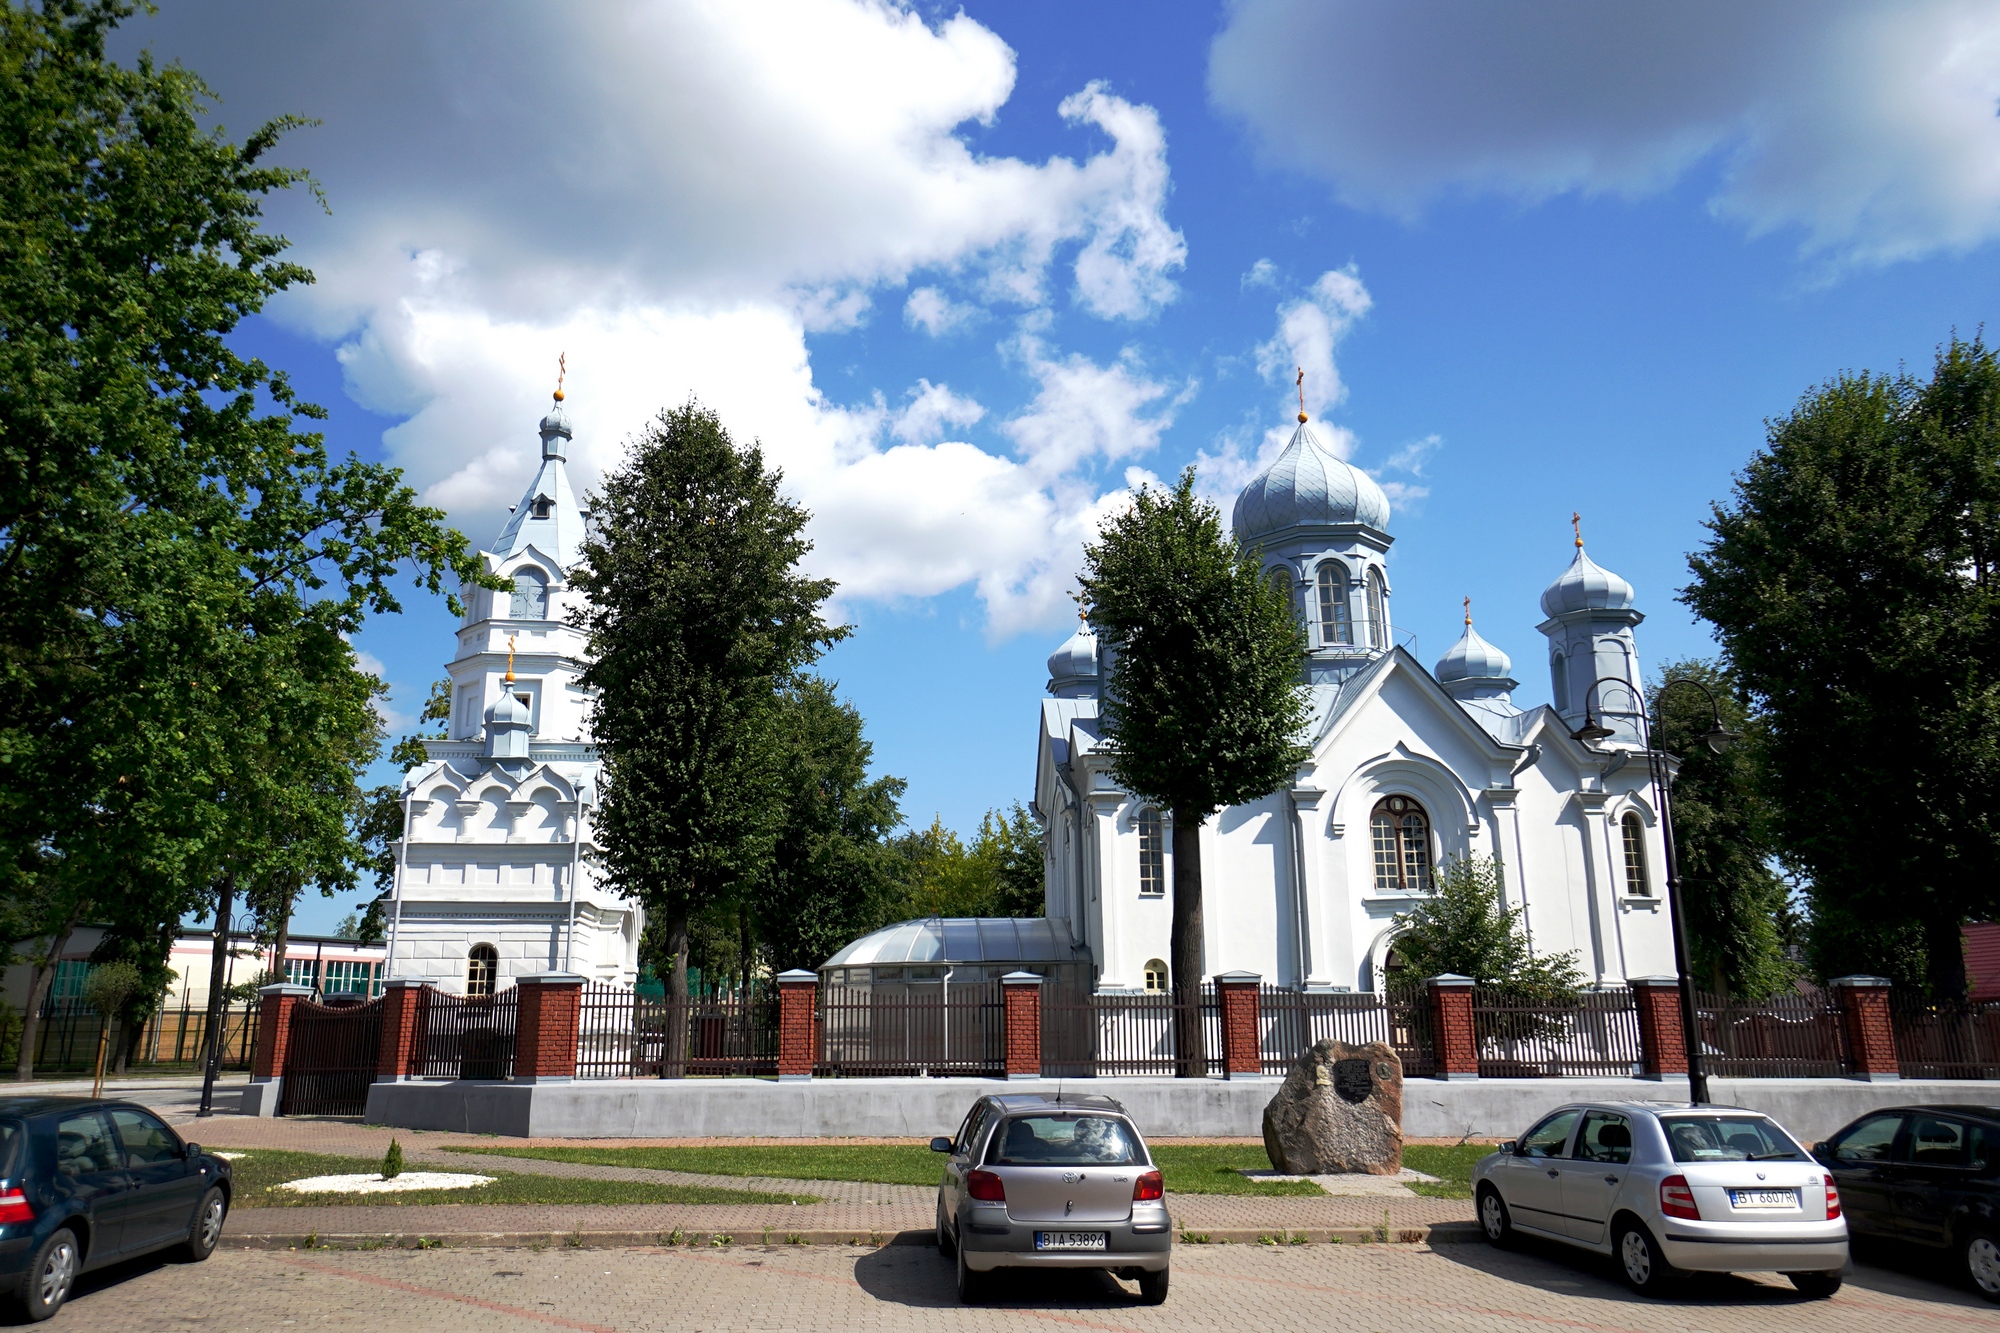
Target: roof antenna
(1302, 395)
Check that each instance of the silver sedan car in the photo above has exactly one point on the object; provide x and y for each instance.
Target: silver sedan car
(1052, 1182)
(1666, 1189)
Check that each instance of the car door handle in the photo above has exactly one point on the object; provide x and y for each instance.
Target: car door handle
(1611, 1180)
(1553, 1174)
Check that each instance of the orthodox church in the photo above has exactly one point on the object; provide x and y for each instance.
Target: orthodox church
(1409, 768)
(494, 876)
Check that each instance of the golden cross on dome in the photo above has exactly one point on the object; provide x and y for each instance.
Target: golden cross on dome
(1468, 613)
(1576, 524)
(510, 659)
(1301, 382)
(562, 369)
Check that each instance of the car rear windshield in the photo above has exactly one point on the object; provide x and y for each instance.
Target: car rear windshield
(1729, 1138)
(12, 1134)
(1065, 1140)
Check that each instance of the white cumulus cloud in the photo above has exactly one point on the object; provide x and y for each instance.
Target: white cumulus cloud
(1866, 126)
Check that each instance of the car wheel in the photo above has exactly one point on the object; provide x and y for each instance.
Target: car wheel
(51, 1274)
(1494, 1222)
(1982, 1263)
(206, 1229)
(946, 1245)
(1645, 1269)
(1817, 1286)
(1153, 1287)
(971, 1285)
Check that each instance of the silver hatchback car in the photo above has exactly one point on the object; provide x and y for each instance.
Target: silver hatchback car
(1052, 1182)
(1667, 1188)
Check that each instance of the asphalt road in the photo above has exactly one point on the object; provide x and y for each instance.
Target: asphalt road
(1259, 1289)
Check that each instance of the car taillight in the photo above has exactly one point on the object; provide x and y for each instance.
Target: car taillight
(985, 1187)
(1832, 1200)
(1149, 1186)
(14, 1207)
(1677, 1200)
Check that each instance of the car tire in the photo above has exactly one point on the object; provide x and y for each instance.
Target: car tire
(51, 1275)
(1495, 1222)
(947, 1246)
(1153, 1288)
(1980, 1254)
(1641, 1262)
(206, 1229)
(971, 1285)
(1816, 1286)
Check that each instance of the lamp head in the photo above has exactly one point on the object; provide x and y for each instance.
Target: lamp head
(1721, 738)
(1590, 731)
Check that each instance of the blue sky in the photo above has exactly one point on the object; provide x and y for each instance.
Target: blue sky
(969, 274)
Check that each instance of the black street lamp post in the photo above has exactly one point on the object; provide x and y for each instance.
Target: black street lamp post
(1719, 738)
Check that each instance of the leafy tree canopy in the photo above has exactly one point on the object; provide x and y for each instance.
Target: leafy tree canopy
(1465, 928)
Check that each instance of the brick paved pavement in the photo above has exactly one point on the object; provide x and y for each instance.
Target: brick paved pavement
(1339, 1289)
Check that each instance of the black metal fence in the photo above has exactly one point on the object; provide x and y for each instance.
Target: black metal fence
(330, 1058)
(466, 1037)
(622, 1034)
(1525, 1038)
(867, 1033)
(1795, 1034)
(1946, 1040)
(1085, 1035)
(66, 1036)
(1291, 1022)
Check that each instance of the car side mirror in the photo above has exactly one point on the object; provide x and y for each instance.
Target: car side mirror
(1821, 1149)
(940, 1144)
(1510, 1147)
(190, 1150)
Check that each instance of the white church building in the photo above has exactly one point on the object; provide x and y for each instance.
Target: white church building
(495, 877)
(1408, 768)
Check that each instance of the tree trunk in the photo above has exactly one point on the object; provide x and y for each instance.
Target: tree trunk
(218, 965)
(38, 993)
(1944, 959)
(743, 944)
(1190, 1044)
(679, 1014)
(131, 1027)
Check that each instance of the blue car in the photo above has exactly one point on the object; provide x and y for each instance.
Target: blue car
(86, 1183)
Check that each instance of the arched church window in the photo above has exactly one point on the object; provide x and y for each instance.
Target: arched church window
(482, 970)
(1402, 838)
(1378, 610)
(1281, 581)
(1333, 623)
(531, 596)
(1559, 681)
(1636, 882)
(1156, 977)
(1152, 854)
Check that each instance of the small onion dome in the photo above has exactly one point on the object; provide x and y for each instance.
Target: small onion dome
(1472, 658)
(556, 423)
(1586, 586)
(1073, 667)
(1307, 486)
(507, 710)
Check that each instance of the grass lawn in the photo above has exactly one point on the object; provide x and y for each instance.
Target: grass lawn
(1203, 1170)
(257, 1174)
(1451, 1165)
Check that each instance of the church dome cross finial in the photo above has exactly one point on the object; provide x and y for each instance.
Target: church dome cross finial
(1576, 526)
(510, 659)
(1468, 613)
(1301, 382)
(562, 371)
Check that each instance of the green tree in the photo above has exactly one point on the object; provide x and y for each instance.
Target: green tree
(1203, 706)
(378, 815)
(1465, 928)
(698, 616)
(1852, 580)
(831, 877)
(1011, 843)
(1736, 907)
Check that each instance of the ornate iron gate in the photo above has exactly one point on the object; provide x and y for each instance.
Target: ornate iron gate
(330, 1058)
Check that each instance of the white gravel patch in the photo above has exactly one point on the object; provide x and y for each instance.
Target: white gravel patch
(374, 1184)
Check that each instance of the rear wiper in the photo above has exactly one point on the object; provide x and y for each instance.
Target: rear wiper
(1772, 1157)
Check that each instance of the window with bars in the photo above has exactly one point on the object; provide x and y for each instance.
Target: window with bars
(1636, 882)
(482, 970)
(1402, 836)
(1152, 854)
(1334, 626)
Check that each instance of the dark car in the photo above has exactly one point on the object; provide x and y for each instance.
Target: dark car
(86, 1183)
(1926, 1176)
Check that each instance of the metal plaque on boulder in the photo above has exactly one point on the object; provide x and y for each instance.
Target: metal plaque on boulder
(1340, 1112)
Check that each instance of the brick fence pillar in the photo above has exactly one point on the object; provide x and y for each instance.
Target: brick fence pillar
(1022, 994)
(401, 1050)
(1662, 1040)
(545, 1024)
(797, 992)
(1456, 1043)
(1871, 1037)
(274, 1039)
(1242, 1051)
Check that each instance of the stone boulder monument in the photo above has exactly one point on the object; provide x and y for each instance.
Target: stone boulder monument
(1340, 1112)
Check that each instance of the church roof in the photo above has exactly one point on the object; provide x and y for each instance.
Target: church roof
(1074, 665)
(1307, 485)
(1587, 586)
(961, 939)
(1472, 658)
(548, 517)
